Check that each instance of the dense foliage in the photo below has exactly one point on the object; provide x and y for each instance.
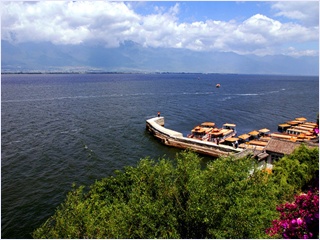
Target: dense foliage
(180, 199)
(297, 171)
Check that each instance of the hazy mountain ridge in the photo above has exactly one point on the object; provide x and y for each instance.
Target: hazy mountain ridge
(130, 56)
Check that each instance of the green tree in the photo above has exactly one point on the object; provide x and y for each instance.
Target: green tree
(242, 202)
(174, 199)
(292, 172)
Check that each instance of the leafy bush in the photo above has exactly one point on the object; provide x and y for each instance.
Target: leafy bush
(180, 199)
(299, 216)
(169, 200)
(296, 171)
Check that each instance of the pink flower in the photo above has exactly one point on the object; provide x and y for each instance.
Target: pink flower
(285, 235)
(299, 221)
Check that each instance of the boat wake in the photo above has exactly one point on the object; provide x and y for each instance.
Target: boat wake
(71, 131)
(74, 97)
(103, 96)
(135, 95)
(231, 96)
(260, 94)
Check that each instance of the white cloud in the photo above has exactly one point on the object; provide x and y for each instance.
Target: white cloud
(67, 22)
(305, 11)
(260, 32)
(291, 51)
(110, 23)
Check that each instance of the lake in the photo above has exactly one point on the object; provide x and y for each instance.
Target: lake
(59, 129)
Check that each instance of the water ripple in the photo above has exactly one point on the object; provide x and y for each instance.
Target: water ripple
(62, 129)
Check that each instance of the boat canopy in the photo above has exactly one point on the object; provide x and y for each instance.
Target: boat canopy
(255, 147)
(198, 130)
(301, 119)
(244, 136)
(254, 133)
(258, 143)
(284, 125)
(231, 139)
(208, 124)
(294, 123)
(216, 134)
(226, 131)
(229, 125)
(301, 127)
(280, 135)
(309, 124)
(264, 130)
(295, 131)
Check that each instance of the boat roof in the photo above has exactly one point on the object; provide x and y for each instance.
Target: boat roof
(307, 126)
(294, 122)
(297, 130)
(210, 124)
(284, 125)
(255, 147)
(254, 132)
(258, 143)
(302, 127)
(226, 131)
(302, 119)
(244, 136)
(280, 135)
(310, 123)
(198, 130)
(264, 130)
(229, 125)
(216, 133)
(231, 139)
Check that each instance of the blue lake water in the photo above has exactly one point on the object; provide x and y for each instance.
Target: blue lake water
(59, 129)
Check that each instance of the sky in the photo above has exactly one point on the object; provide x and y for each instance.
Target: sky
(249, 27)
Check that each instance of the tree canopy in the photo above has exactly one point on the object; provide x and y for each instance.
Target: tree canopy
(179, 199)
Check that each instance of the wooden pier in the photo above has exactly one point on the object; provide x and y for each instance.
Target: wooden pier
(176, 139)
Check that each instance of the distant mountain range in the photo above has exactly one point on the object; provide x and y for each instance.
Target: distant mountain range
(132, 57)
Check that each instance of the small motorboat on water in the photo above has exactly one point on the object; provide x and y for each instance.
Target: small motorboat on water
(218, 85)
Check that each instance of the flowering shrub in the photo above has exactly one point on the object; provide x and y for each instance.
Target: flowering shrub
(299, 219)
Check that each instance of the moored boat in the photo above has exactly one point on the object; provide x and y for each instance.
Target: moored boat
(210, 140)
(176, 139)
(264, 132)
(283, 127)
(207, 131)
(243, 138)
(297, 130)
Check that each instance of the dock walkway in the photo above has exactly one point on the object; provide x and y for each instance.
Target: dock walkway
(176, 139)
